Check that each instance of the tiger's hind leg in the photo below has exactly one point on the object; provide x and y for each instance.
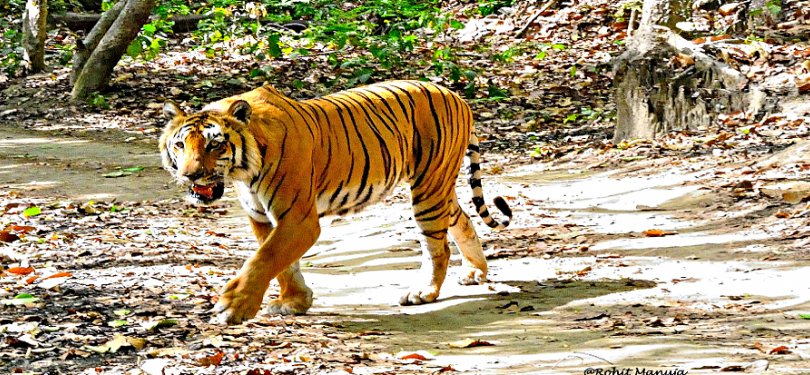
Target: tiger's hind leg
(432, 216)
(474, 261)
(295, 297)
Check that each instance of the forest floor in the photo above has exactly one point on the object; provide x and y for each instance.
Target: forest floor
(662, 263)
(689, 252)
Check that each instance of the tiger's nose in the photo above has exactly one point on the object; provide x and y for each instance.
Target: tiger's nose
(193, 175)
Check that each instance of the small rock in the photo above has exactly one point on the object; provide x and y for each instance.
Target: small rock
(790, 191)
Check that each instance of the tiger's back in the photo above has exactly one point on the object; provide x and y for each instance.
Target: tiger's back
(386, 134)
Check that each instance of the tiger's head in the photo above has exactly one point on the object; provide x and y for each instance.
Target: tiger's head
(204, 149)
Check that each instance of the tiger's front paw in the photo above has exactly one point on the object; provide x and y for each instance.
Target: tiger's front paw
(418, 296)
(297, 304)
(238, 302)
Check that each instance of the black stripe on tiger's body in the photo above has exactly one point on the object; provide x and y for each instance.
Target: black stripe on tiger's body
(292, 162)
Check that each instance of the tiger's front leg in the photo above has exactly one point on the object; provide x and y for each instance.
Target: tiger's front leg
(286, 243)
(295, 297)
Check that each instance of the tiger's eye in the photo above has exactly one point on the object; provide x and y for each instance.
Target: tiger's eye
(179, 144)
(214, 144)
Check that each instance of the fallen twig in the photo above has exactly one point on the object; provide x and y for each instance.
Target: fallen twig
(534, 17)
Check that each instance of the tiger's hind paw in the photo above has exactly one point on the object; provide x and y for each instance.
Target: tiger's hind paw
(291, 305)
(472, 276)
(418, 296)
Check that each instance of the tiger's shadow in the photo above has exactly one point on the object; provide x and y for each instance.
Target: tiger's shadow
(513, 320)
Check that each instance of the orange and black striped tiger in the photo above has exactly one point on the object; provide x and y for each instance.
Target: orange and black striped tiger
(292, 162)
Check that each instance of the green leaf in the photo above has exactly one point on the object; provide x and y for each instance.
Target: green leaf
(573, 71)
(540, 55)
(135, 48)
(117, 323)
(32, 211)
(456, 24)
(178, 296)
(149, 28)
(571, 118)
(20, 299)
(804, 316)
(559, 47)
(273, 48)
(132, 169)
(122, 312)
(363, 78)
(163, 323)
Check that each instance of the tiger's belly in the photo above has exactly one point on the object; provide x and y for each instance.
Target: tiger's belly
(336, 202)
(348, 200)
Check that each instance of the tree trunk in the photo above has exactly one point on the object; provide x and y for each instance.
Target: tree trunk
(34, 32)
(667, 83)
(664, 12)
(101, 59)
(653, 98)
(85, 47)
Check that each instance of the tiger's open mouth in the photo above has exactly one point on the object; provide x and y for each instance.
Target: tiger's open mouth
(205, 194)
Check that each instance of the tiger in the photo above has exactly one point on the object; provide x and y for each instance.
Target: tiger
(293, 162)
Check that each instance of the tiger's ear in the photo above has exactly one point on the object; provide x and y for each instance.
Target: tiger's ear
(240, 110)
(172, 110)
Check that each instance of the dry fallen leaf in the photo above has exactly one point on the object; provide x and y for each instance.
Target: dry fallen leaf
(214, 359)
(780, 350)
(58, 274)
(469, 343)
(20, 228)
(657, 233)
(684, 60)
(413, 356)
(7, 236)
(20, 270)
(584, 271)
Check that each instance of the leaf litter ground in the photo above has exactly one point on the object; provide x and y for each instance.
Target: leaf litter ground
(91, 284)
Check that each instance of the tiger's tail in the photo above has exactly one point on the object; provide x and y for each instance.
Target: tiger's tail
(473, 152)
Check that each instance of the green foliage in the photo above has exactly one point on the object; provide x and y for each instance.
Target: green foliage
(545, 47)
(774, 7)
(585, 113)
(152, 38)
(363, 40)
(10, 35)
(495, 92)
(10, 49)
(98, 101)
(487, 7)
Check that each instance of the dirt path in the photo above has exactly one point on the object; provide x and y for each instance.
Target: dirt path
(593, 291)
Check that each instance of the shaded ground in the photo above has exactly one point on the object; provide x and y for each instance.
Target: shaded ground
(574, 283)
